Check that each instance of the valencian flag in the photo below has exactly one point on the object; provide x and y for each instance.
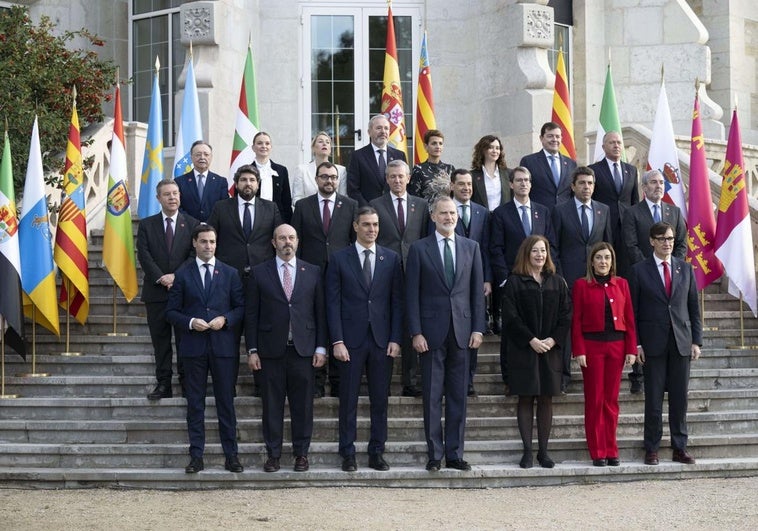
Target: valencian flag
(562, 108)
(701, 226)
(118, 240)
(734, 238)
(609, 117)
(71, 235)
(190, 126)
(38, 275)
(392, 94)
(11, 307)
(663, 154)
(152, 161)
(424, 106)
(247, 123)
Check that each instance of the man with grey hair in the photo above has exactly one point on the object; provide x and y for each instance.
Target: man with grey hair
(403, 219)
(366, 172)
(636, 223)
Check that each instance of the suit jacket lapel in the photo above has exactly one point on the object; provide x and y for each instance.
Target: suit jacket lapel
(432, 249)
(655, 278)
(195, 274)
(390, 211)
(356, 265)
(598, 220)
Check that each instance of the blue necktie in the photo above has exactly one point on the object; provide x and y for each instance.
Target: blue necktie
(247, 221)
(525, 221)
(207, 279)
(554, 168)
(656, 214)
(200, 185)
(585, 224)
(617, 178)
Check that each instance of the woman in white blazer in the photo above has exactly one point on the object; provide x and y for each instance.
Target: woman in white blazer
(304, 181)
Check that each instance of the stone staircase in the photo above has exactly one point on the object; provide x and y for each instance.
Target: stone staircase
(89, 424)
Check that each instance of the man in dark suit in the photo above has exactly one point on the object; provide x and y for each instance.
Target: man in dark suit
(164, 242)
(366, 172)
(636, 223)
(551, 171)
(616, 186)
(510, 224)
(286, 336)
(664, 296)
(578, 224)
(445, 309)
(364, 312)
(244, 243)
(324, 222)
(201, 188)
(474, 224)
(403, 219)
(245, 224)
(206, 304)
(273, 179)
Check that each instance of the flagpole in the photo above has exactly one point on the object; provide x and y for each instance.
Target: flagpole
(68, 352)
(338, 153)
(2, 360)
(114, 333)
(742, 345)
(34, 373)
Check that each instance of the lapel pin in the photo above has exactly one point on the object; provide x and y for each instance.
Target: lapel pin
(381, 257)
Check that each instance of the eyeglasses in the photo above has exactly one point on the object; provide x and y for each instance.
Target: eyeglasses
(661, 239)
(326, 177)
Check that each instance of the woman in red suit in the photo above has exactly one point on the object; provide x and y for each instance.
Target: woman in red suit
(603, 339)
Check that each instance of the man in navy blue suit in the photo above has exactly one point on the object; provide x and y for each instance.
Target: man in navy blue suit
(474, 224)
(510, 224)
(364, 312)
(206, 305)
(286, 336)
(664, 296)
(366, 172)
(445, 308)
(201, 188)
(551, 171)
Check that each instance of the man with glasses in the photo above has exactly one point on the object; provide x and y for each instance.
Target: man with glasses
(324, 222)
(636, 223)
(664, 296)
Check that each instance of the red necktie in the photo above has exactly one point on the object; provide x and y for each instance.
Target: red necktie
(666, 278)
(326, 217)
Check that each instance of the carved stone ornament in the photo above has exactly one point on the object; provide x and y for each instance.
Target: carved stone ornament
(197, 25)
(538, 26)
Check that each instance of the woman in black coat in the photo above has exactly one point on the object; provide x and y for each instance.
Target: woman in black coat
(536, 320)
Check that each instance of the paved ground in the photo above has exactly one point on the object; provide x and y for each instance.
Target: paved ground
(722, 504)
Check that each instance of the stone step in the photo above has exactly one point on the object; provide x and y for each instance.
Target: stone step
(506, 453)
(139, 408)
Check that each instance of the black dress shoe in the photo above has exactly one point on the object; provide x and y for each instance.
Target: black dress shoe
(458, 464)
(318, 392)
(636, 388)
(526, 460)
(349, 464)
(195, 465)
(160, 391)
(544, 460)
(682, 456)
(334, 391)
(651, 458)
(377, 462)
(232, 464)
(412, 391)
(471, 391)
(433, 465)
(271, 464)
(301, 464)
(613, 461)
(599, 462)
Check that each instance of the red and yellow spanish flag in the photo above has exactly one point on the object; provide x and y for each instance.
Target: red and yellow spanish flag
(701, 225)
(71, 235)
(424, 106)
(562, 108)
(392, 94)
(118, 240)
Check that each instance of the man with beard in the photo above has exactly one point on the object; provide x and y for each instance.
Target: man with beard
(286, 335)
(445, 308)
(324, 222)
(245, 225)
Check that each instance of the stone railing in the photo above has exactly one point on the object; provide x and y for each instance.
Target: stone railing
(96, 176)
